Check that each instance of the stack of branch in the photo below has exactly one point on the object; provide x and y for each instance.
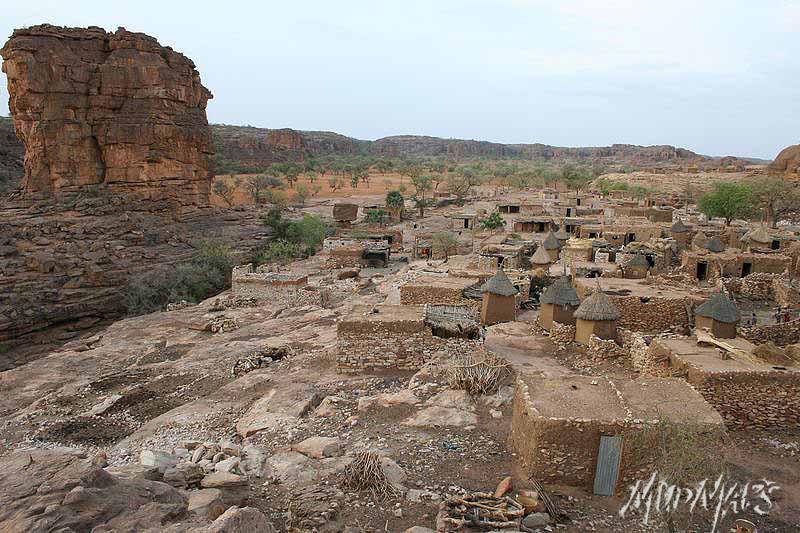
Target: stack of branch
(366, 473)
(477, 374)
(483, 511)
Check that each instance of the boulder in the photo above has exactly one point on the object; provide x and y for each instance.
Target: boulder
(207, 503)
(454, 399)
(241, 520)
(440, 417)
(319, 447)
(157, 458)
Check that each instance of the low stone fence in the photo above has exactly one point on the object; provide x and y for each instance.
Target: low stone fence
(781, 334)
(756, 399)
(653, 314)
(413, 294)
(562, 334)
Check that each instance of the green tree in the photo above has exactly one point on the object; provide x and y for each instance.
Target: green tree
(395, 200)
(422, 184)
(493, 222)
(444, 243)
(376, 216)
(728, 201)
(776, 197)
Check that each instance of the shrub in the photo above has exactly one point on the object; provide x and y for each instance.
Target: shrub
(206, 274)
(280, 250)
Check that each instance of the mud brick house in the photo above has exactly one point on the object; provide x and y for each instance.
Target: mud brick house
(621, 233)
(345, 213)
(748, 391)
(289, 288)
(706, 265)
(463, 221)
(559, 425)
(392, 336)
(533, 224)
(438, 289)
(644, 307)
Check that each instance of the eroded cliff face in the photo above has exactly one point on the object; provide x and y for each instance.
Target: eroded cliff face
(787, 163)
(113, 109)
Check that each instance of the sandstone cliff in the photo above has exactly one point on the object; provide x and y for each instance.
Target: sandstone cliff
(112, 109)
(787, 163)
(12, 154)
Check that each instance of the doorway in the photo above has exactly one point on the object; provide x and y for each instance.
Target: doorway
(747, 269)
(702, 271)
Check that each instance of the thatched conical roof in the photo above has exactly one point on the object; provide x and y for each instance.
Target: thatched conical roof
(499, 284)
(562, 235)
(699, 240)
(679, 227)
(714, 245)
(760, 235)
(638, 260)
(560, 292)
(597, 306)
(720, 308)
(541, 257)
(550, 242)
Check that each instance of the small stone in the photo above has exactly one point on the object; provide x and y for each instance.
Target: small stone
(495, 413)
(398, 513)
(198, 453)
(231, 464)
(230, 448)
(219, 456)
(319, 447)
(536, 520)
(100, 460)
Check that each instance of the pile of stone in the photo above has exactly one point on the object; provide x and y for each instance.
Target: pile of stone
(221, 324)
(562, 335)
(601, 349)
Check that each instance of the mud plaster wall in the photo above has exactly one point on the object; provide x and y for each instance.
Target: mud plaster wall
(564, 451)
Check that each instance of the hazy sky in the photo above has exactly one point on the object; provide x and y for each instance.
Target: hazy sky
(718, 77)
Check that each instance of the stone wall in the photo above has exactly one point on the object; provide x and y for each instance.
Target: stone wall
(652, 314)
(412, 294)
(598, 349)
(562, 334)
(270, 287)
(781, 334)
(401, 345)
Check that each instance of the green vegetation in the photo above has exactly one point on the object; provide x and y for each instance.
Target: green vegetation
(206, 274)
(728, 201)
(422, 184)
(493, 222)
(395, 200)
(444, 243)
(776, 197)
(294, 239)
(376, 216)
(606, 186)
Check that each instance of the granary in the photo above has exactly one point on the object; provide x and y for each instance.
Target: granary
(636, 267)
(699, 240)
(718, 315)
(714, 244)
(597, 316)
(577, 250)
(585, 432)
(540, 258)
(345, 213)
(760, 239)
(562, 235)
(552, 246)
(499, 300)
(681, 233)
(558, 303)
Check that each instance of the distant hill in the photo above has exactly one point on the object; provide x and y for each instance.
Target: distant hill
(259, 147)
(247, 147)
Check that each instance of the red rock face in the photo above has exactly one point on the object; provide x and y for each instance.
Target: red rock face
(787, 163)
(113, 109)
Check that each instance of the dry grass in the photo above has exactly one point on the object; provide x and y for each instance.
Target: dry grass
(366, 473)
(477, 374)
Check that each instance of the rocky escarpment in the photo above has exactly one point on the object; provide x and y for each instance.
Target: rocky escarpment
(108, 109)
(12, 154)
(65, 265)
(787, 163)
(259, 147)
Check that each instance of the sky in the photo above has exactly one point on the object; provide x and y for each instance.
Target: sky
(717, 77)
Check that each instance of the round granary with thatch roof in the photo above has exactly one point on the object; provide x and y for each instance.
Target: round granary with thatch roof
(679, 227)
(558, 303)
(562, 235)
(499, 284)
(597, 315)
(714, 244)
(551, 242)
(758, 236)
(719, 315)
(720, 308)
(560, 292)
(541, 257)
(597, 307)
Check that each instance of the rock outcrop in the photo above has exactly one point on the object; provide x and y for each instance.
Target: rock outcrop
(12, 154)
(108, 109)
(787, 163)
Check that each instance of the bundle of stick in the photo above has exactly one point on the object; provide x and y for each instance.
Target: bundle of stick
(482, 510)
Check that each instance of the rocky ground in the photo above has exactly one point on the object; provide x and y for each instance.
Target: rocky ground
(158, 423)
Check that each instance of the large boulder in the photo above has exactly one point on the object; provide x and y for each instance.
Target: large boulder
(59, 489)
(114, 109)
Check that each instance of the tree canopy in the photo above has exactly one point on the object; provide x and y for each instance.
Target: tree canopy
(728, 201)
